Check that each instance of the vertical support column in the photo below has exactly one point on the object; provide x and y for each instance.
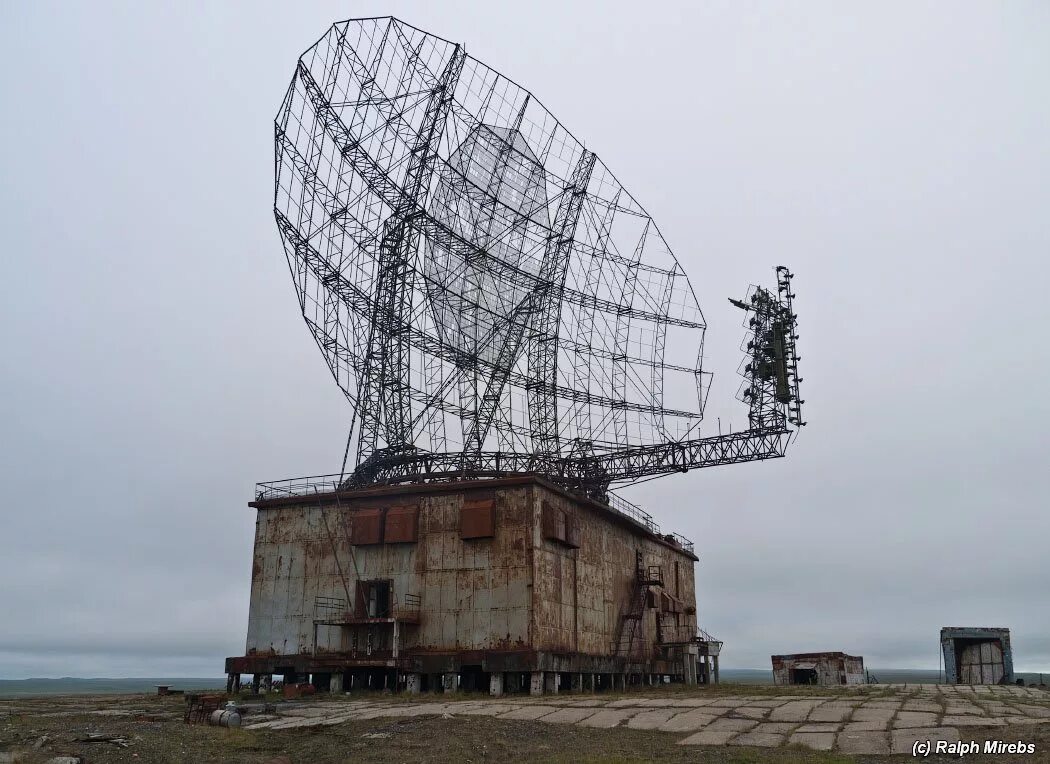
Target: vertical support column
(716, 668)
(576, 682)
(550, 682)
(255, 683)
(229, 684)
(413, 683)
(448, 681)
(536, 683)
(495, 684)
(588, 682)
(266, 686)
(335, 683)
(237, 682)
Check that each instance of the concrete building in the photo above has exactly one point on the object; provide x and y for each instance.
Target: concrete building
(509, 585)
(818, 668)
(977, 655)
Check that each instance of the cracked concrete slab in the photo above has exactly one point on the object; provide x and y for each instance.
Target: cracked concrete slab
(972, 721)
(609, 717)
(760, 739)
(818, 741)
(866, 714)
(688, 721)
(914, 719)
(902, 741)
(868, 726)
(824, 727)
(570, 715)
(868, 742)
(719, 732)
(794, 711)
(528, 712)
(830, 713)
(651, 720)
(748, 712)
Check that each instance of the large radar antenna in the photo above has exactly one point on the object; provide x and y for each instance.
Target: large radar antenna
(488, 296)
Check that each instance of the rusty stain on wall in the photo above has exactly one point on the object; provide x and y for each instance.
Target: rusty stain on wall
(492, 566)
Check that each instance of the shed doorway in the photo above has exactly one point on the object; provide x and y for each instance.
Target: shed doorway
(803, 676)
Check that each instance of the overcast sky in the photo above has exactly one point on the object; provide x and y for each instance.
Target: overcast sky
(154, 365)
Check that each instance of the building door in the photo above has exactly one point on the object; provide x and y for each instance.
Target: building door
(803, 676)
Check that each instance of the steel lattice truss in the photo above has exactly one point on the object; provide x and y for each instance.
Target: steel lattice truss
(486, 293)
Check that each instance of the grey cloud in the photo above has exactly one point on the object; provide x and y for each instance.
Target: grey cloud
(154, 364)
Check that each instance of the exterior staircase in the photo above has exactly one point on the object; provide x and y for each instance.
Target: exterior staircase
(631, 634)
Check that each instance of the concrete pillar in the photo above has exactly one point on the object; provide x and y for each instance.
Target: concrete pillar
(550, 682)
(229, 684)
(588, 682)
(536, 683)
(266, 685)
(495, 684)
(335, 683)
(413, 683)
(576, 682)
(623, 682)
(448, 682)
(715, 658)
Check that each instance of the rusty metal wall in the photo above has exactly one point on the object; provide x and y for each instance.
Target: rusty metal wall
(580, 595)
(474, 593)
(512, 591)
(963, 664)
(831, 668)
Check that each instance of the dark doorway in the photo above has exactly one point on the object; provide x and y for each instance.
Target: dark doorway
(373, 599)
(803, 676)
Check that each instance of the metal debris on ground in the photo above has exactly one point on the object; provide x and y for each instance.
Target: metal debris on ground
(98, 737)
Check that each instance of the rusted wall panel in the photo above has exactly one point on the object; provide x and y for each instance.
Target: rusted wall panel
(513, 590)
(474, 594)
(402, 525)
(367, 527)
(476, 519)
(833, 668)
(580, 595)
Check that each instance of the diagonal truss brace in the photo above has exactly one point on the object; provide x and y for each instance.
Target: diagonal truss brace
(385, 400)
(543, 351)
(535, 310)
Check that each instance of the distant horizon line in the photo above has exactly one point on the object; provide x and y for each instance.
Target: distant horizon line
(723, 669)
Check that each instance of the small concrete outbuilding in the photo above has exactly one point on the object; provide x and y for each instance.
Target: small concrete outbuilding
(977, 655)
(818, 668)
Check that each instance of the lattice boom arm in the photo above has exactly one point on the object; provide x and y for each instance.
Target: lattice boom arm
(594, 474)
(664, 458)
